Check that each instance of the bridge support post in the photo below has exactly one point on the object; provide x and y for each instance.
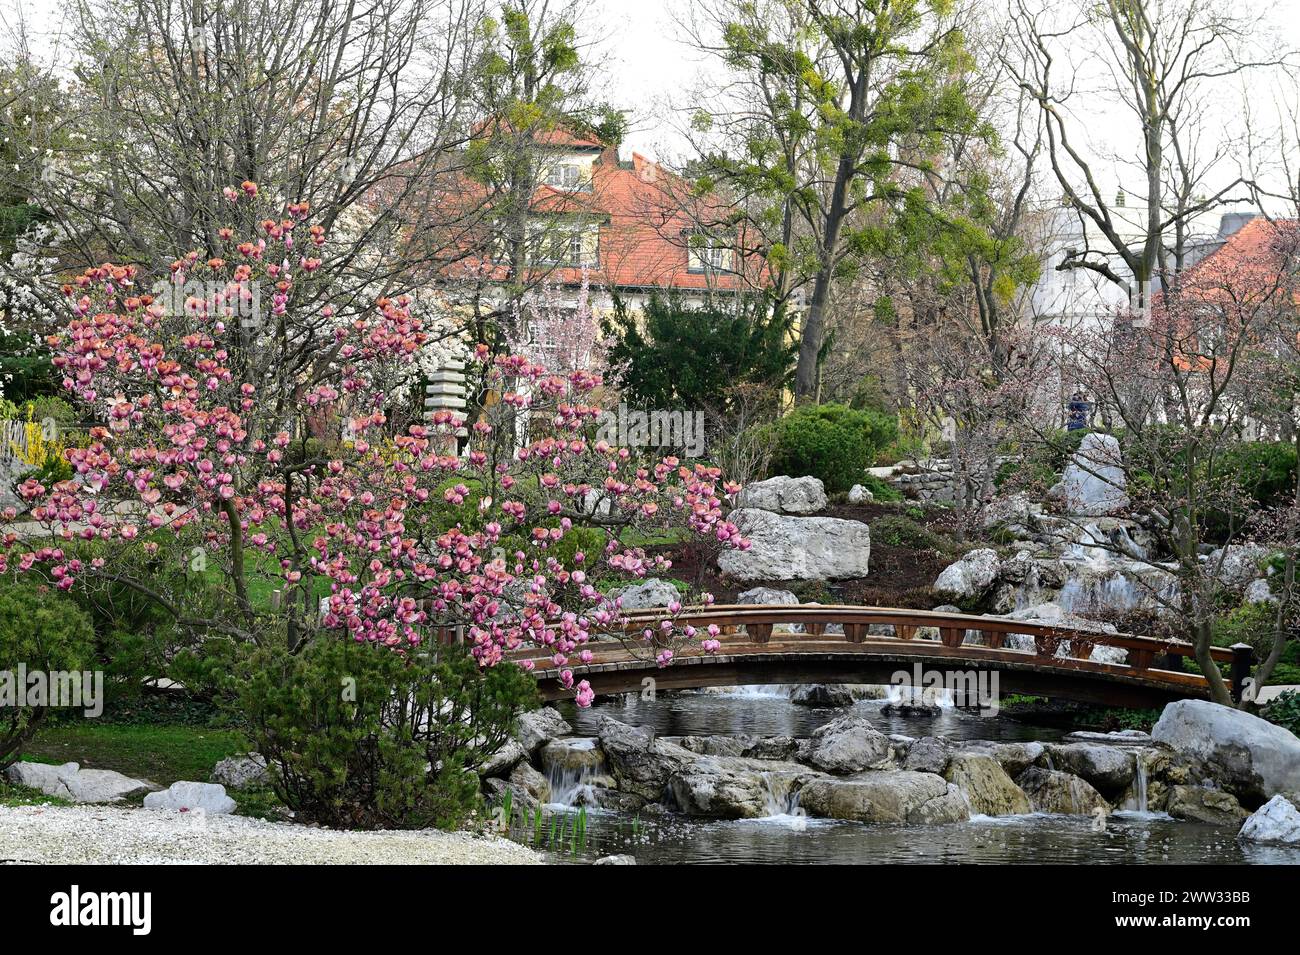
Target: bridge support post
(855, 632)
(1243, 657)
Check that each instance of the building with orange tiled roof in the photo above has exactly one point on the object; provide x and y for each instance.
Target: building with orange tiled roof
(628, 228)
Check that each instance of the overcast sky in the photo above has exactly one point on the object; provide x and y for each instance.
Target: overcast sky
(648, 66)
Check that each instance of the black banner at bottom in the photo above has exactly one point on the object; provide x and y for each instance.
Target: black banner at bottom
(141, 906)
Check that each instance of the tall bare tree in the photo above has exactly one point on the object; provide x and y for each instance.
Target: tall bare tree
(360, 110)
(1167, 71)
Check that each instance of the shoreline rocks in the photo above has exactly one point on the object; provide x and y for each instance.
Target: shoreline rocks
(1053, 791)
(896, 797)
(986, 786)
(1248, 756)
(1278, 820)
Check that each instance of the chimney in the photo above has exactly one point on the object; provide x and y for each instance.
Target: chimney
(1232, 222)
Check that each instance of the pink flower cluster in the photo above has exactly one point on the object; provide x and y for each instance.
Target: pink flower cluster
(204, 443)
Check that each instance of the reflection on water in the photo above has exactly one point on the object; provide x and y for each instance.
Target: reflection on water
(768, 712)
(1129, 838)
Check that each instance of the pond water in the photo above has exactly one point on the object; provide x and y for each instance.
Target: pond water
(1131, 838)
(767, 711)
(658, 837)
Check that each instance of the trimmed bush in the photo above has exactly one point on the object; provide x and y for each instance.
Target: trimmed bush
(882, 492)
(831, 442)
(898, 531)
(43, 631)
(362, 737)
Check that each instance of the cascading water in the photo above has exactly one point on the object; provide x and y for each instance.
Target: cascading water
(576, 781)
(927, 696)
(1137, 801)
(782, 800)
(774, 691)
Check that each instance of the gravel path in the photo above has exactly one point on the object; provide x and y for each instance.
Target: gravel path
(102, 834)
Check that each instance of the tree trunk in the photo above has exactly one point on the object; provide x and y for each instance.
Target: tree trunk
(810, 344)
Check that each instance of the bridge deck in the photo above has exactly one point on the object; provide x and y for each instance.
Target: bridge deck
(754, 651)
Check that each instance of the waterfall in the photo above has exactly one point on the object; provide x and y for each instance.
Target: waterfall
(782, 801)
(774, 691)
(570, 787)
(1140, 781)
(1137, 802)
(928, 696)
(576, 782)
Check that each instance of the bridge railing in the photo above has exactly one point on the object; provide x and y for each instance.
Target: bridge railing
(759, 622)
(1063, 646)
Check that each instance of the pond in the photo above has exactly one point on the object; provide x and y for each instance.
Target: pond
(656, 836)
(767, 711)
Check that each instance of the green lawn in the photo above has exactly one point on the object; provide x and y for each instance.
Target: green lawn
(162, 754)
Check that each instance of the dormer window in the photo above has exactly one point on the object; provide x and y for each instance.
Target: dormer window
(567, 176)
(709, 254)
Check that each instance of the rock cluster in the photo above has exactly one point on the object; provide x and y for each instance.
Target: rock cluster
(1204, 763)
(70, 781)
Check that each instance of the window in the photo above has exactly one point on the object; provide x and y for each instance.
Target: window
(566, 245)
(567, 176)
(708, 254)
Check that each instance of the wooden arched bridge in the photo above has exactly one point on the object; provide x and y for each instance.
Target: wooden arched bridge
(759, 646)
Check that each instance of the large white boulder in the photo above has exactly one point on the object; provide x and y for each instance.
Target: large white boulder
(70, 781)
(785, 495)
(649, 593)
(210, 798)
(538, 727)
(797, 548)
(1251, 757)
(970, 577)
(1277, 820)
(1237, 564)
(1093, 482)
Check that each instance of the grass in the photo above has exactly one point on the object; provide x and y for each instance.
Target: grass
(161, 754)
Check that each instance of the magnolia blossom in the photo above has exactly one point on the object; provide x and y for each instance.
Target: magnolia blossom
(220, 434)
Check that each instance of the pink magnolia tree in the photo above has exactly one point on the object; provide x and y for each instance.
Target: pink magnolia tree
(220, 392)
